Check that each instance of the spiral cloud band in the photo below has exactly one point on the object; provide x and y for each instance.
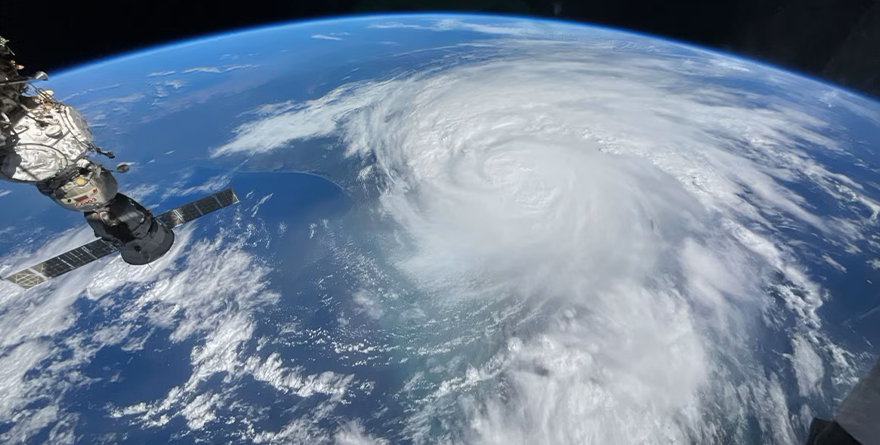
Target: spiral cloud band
(636, 202)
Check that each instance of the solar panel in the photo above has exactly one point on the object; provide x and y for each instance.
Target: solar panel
(27, 278)
(226, 197)
(61, 264)
(85, 254)
(169, 219)
(197, 208)
(54, 267)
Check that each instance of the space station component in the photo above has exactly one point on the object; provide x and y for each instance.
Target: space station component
(858, 417)
(39, 136)
(47, 143)
(86, 188)
(130, 228)
(133, 250)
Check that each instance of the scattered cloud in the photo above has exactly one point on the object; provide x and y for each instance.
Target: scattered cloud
(202, 69)
(325, 37)
(161, 73)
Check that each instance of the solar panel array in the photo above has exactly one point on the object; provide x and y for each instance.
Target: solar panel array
(197, 208)
(62, 264)
(94, 250)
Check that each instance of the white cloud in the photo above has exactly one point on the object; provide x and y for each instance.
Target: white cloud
(176, 84)
(89, 91)
(353, 433)
(808, 366)
(509, 28)
(210, 296)
(228, 68)
(17, 361)
(616, 185)
(201, 69)
(211, 185)
(36, 326)
(271, 133)
(217, 69)
(325, 37)
(161, 73)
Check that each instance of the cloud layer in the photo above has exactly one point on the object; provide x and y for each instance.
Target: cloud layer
(634, 203)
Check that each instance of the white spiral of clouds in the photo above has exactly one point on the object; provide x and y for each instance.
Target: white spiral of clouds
(629, 189)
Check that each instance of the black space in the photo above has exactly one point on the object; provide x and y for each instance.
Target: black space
(838, 40)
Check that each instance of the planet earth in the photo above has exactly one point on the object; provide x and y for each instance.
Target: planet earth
(454, 229)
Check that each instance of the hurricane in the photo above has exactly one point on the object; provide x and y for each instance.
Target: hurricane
(634, 221)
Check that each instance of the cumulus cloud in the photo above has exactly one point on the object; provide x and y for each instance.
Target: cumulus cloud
(209, 298)
(36, 326)
(352, 433)
(808, 366)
